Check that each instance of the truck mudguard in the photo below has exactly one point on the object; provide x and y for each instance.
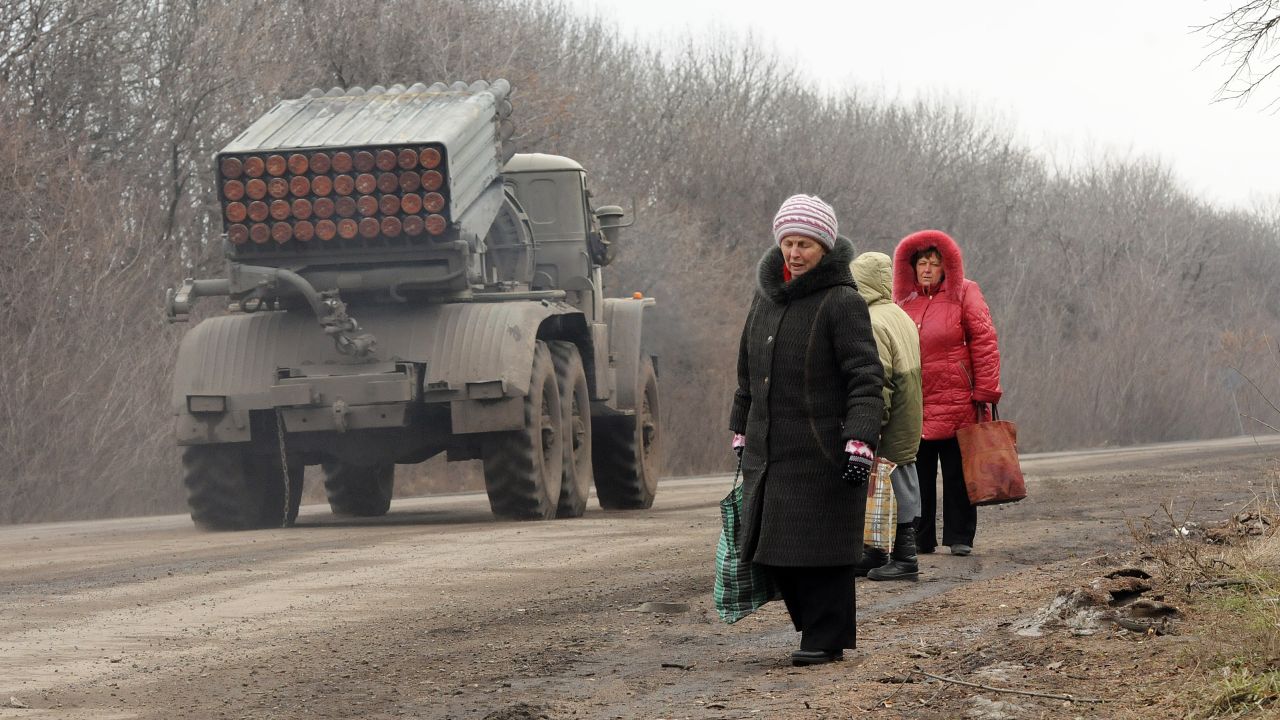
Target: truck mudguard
(625, 317)
(477, 351)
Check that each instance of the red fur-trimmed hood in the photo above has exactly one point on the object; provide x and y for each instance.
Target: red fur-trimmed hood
(904, 271)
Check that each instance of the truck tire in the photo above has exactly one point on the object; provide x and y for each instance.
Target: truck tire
(359, 490)
(627, 451)
(575, 409)
(523, 468)
(229, 487)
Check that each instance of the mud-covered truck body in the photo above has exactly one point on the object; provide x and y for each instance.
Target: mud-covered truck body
(400, 284)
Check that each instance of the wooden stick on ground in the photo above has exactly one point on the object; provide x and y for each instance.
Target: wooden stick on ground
(1032, 693)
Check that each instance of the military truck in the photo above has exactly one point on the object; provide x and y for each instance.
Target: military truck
(401, 284)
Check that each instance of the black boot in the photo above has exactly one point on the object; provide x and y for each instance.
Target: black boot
(903, 565)
(872, 558)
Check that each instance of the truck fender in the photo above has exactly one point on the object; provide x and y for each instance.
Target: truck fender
(625, 318)
(474, 355)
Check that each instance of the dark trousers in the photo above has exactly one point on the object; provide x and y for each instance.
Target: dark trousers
(822, 605)
(959, 518)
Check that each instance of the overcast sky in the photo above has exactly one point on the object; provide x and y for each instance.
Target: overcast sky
(1076, 80)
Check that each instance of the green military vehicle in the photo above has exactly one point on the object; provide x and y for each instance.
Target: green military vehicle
(400, 284)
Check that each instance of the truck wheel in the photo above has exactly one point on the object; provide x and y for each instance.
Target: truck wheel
(229, 487)
(627, 451)
(575, 409)
(359, 490)
(522, 468)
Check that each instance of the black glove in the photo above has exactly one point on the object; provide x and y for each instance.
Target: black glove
(857, 470)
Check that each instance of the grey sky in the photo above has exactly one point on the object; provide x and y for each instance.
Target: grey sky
(1075, 80)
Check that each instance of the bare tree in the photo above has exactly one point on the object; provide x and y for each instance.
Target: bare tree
(1119, 297)
(1246, 39)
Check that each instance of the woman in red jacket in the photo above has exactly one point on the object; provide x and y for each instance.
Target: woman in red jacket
(960, 373)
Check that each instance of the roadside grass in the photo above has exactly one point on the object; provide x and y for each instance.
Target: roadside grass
(1231, 576)
(1242, 676)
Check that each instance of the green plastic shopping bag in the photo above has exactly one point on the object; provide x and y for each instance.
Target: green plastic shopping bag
(741, 586)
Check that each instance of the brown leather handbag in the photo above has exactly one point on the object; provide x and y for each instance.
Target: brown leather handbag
(989, 454)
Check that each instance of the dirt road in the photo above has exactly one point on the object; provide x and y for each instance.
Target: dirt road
(436, 611)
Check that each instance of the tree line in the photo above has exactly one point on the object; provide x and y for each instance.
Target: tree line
(1128, 309)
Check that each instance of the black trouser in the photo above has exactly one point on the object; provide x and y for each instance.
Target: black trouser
(959, 518)
(822, 605)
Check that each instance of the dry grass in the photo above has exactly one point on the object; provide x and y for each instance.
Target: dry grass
(1229, 586)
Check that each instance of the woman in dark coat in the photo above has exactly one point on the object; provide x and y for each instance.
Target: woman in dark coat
(806, 418)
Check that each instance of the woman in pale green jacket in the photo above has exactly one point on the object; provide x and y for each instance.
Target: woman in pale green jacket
(899, 346)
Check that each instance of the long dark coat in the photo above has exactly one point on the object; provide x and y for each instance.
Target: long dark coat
(809, 379)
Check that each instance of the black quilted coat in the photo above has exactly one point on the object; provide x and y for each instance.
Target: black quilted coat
(809, 378)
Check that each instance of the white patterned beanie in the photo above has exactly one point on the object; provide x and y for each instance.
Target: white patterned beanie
(806, 215)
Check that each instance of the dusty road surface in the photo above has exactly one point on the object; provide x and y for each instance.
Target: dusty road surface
(436, 611)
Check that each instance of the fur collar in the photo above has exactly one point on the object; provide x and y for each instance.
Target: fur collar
(832, 269)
